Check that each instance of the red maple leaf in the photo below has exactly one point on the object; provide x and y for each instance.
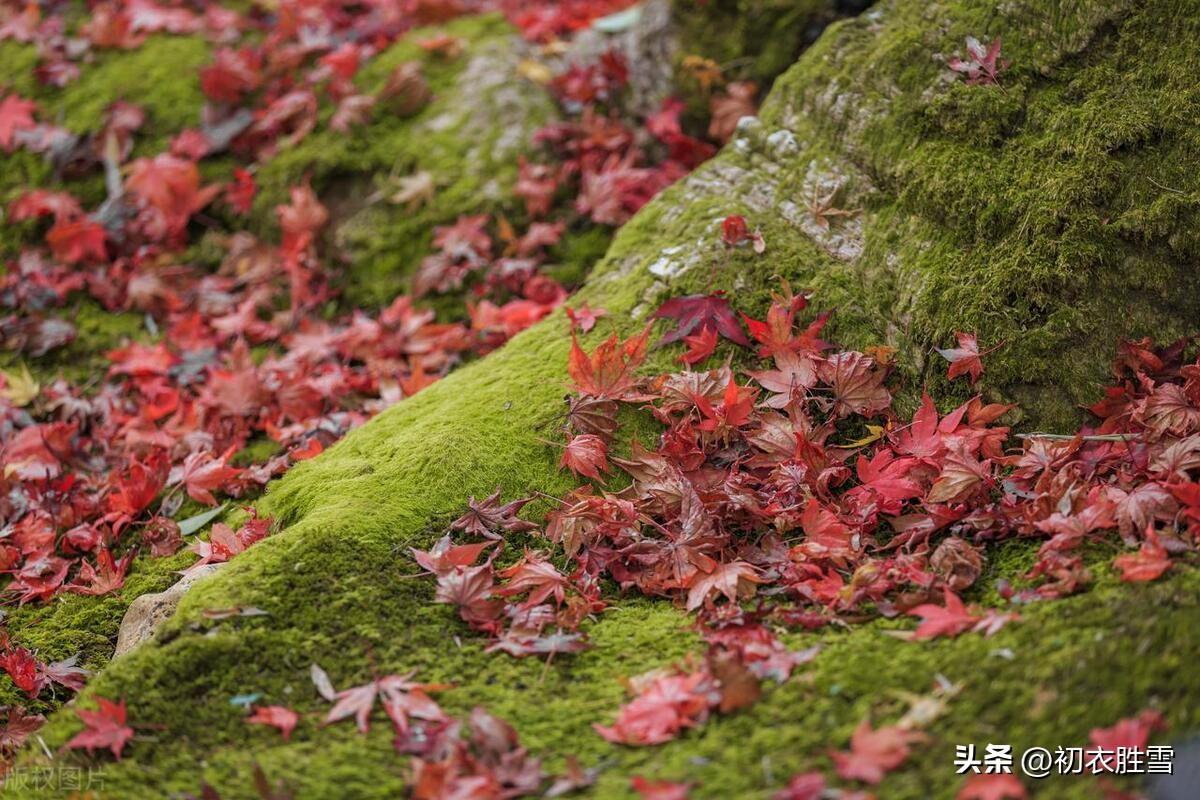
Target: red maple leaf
(64, 673)
(1148, 563)
(489, 516)
(700, 346)
(966, 358)
(981, 65)
(169, 190)
(667, 705)
(472, 590)
(106, 728)
(445, 556)
(23, 668)
(401, 699)
(78, 240)
(201, 473)
(734, 580)
(873, 753)
(695, 312)
(856, 382)
(949, 620)
(586, 455)
(608, 372)
(584, 318)
(107, 576)
(1131, 732)
(134, 491)
(734, 231)
(16, 114)
(536, 575)
(18, 727)
(279, 717)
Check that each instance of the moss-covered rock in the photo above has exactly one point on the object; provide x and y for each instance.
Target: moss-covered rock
(1023, 211)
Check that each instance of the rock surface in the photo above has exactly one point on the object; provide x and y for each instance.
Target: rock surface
(149, 611)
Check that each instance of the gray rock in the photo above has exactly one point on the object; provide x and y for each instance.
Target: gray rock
(147, 612)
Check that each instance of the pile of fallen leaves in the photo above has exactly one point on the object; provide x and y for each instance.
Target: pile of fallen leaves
(257, 354)
(794, 496)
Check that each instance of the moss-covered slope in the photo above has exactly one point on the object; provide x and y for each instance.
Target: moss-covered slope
(1021, 212)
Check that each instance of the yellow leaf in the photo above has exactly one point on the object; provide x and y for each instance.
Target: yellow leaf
(534, 71)
(705, 71)
(874, 433)
(19, 387)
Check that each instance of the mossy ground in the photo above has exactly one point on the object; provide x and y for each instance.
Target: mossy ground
(481, 116)
(161, 77)
(966, 230)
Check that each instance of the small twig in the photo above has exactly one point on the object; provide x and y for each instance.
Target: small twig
(1165, 188)
(1067, 437)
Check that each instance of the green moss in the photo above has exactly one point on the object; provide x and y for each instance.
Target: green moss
(751, 39)
(17, 62)
(161, 76)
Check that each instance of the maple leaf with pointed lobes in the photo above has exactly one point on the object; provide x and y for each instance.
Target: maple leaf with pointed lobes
(949, 620)
(279, 717)
(200, 473)
(472, 590)
(607, 373)
(170, 193)
(981, 66)
(445, 556)
(966, 358)
(536, 575)
(133, 492)
(23, 668)
(962, 475)
(519, 644)
(874, 753)
(17, 728)
(695, 312)
(734, 580)
(65, 673)
(856, 382)
(997, 786)
(700, 346)
(488, 517)
(16, 114)
(401, 699)
(664, 707)
(106, 728)
(586, 455)
(107, 576)
(1148, 564)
